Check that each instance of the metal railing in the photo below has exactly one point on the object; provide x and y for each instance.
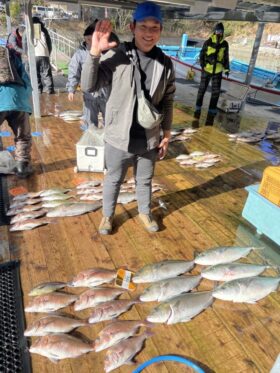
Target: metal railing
(63, 45)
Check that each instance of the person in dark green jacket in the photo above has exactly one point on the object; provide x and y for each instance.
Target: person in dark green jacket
(214, 60)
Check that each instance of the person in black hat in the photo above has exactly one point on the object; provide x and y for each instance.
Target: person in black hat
(94, 103)
(214, 60)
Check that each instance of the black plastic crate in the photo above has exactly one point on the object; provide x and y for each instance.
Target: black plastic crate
(14, 354)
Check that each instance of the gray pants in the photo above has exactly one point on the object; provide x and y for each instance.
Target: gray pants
(117, 163)
(92, 107)
(19, 122)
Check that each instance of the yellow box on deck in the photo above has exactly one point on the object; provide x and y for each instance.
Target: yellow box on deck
(270, 185)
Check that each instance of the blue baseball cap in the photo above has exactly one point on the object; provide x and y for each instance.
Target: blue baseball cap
(148, 9)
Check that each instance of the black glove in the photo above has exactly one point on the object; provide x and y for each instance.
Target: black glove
(227, 74)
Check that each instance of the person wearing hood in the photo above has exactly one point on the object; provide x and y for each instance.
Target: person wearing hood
(15, 108)
(94, 103)
(214, 60)
(142, 82)
(14, 41)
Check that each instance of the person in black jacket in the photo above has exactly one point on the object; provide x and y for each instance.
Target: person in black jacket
(214, 60)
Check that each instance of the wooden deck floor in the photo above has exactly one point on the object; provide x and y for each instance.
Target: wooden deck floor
(204, 210)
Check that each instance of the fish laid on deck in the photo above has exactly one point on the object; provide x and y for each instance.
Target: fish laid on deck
(93, 277)
(60, 346)
(118, 331)
(247, 290)
(110, 310)
(74, 209)
(53, 324)
(166, 289)
(182, 308)
(29, 224)
(50, 302)
(28, 215)
(232, 271)
(162, 270)
(124, 351)
(46, 288)
(219, 255)
(93, 297)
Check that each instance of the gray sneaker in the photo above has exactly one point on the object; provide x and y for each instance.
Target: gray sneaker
(149, 222)
(106, 225)
(23, 169)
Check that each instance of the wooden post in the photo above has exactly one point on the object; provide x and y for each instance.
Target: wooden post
(8, 17)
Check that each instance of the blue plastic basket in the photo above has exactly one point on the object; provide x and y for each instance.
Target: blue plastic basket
(262, 213)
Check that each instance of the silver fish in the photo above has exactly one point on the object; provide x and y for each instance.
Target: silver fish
(232, 271)
(50, 302)
(182, 157)
(93, 277)
(219, 255)
(125, 198)
(117, 331)
(46, 288)
(49, 192)
(28, 215)
(204, 164)
(166, 289)
(90, 190)
(162, 270)
(189, 131)
(73, 209)
(24, 208)
(17, 204)
(197, 154)
(247, 290)
(123, 352)
(53, 324)
(182, 308)
(58, 196)
(32, 201)
(71, 112)
(91, 197)
(20, 197)
(55, 203)
(188, 162)
(110, 310)
(29, 224)
(60, 346)
(95, 296)
(89, 184)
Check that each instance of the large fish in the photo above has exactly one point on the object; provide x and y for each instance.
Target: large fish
(58, 196)
(93, 277)
(73, 209)
(124, 352)
(25, 208)
(95, 296)
(182, 308)
(53, 191)
(110, 310)
(29, 224)
(232, 271)
(50, 302)
(166, 289)
(93, 190)
(226, 254)
(60, 346)
(126, 197)
(55, 203)
(116, 332)
(247, 290)
(46, 288)
(28, 215)
(89, 184)
(91, 197)
(162, 270)
(53, 324)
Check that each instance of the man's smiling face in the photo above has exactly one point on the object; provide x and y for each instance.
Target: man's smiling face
(146, 33)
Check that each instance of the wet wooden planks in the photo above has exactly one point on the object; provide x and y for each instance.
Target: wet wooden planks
(204, 210)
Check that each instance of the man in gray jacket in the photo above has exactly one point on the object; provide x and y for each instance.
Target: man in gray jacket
(126, 141)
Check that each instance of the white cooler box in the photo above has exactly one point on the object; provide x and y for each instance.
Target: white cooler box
(90, 151)
(229, 104)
